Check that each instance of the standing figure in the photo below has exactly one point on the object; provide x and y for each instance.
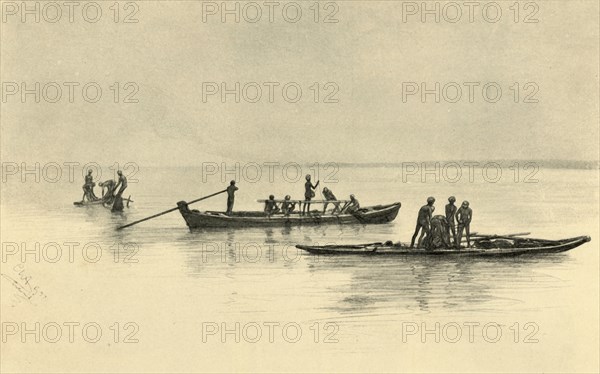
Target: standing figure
(88, 187)
(464, 216)
(423, 220)
(450, 212)
(329, 196)
(122, 182)
(308, 194)
(230, 197)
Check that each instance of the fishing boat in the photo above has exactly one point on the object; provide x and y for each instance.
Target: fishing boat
(209, 219)
(491, 246)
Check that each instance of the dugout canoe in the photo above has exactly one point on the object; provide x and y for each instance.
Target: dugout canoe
(101, 202)
(517, 247)
(196, 219)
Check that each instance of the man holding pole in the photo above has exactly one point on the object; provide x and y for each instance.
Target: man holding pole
(230, 197)
(181, 205)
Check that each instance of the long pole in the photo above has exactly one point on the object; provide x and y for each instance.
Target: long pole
(168, 211)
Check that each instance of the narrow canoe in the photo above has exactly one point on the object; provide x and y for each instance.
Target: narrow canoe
(89, 203)
(100, 202)
(521, 247)
(369, 215)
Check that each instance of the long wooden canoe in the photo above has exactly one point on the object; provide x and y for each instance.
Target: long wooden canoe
(101, 202)
(519, 247)
(369, 215)
(98, 202)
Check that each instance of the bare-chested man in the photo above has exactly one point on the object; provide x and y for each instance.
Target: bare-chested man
(450, 213)
(308, 194)
(230, 197)
(464, 215)
(110, 186)
(122, 182)
(423, 220)
(351, 206)
(287, 206)
(329, 196)
(271, 206)
(88, 187)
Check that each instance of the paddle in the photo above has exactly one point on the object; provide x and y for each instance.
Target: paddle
(168, 211)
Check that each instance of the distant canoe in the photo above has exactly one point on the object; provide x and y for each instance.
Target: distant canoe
(90, 203)
(521, 247)
(100, 202)
(369, 215)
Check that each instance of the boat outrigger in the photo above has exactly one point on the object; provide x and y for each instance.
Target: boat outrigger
(490, 246)
(368, 215)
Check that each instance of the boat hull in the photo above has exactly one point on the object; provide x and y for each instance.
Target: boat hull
(101, 202)
(196, 219)
(89, 203)
(379, 249)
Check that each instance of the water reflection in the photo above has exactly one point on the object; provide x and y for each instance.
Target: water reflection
(365, 285)
(420, 285)
(271, 271)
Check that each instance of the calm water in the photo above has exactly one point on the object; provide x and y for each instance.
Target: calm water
(170, 281)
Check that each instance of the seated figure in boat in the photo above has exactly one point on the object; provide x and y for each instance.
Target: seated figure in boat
(330, 197)
(464, 216)
(287, 206)
(352, 206)
(88, 188)
(271, 206)
(439, 235)
(107, 196)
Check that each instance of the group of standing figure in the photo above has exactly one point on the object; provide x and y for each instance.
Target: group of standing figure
(435, 230)
(111, 186)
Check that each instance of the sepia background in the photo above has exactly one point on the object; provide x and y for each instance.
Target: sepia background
(356, 126)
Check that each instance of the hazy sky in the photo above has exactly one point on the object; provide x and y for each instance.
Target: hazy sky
(369, 55)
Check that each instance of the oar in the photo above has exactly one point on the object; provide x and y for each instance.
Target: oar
(168, 211)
